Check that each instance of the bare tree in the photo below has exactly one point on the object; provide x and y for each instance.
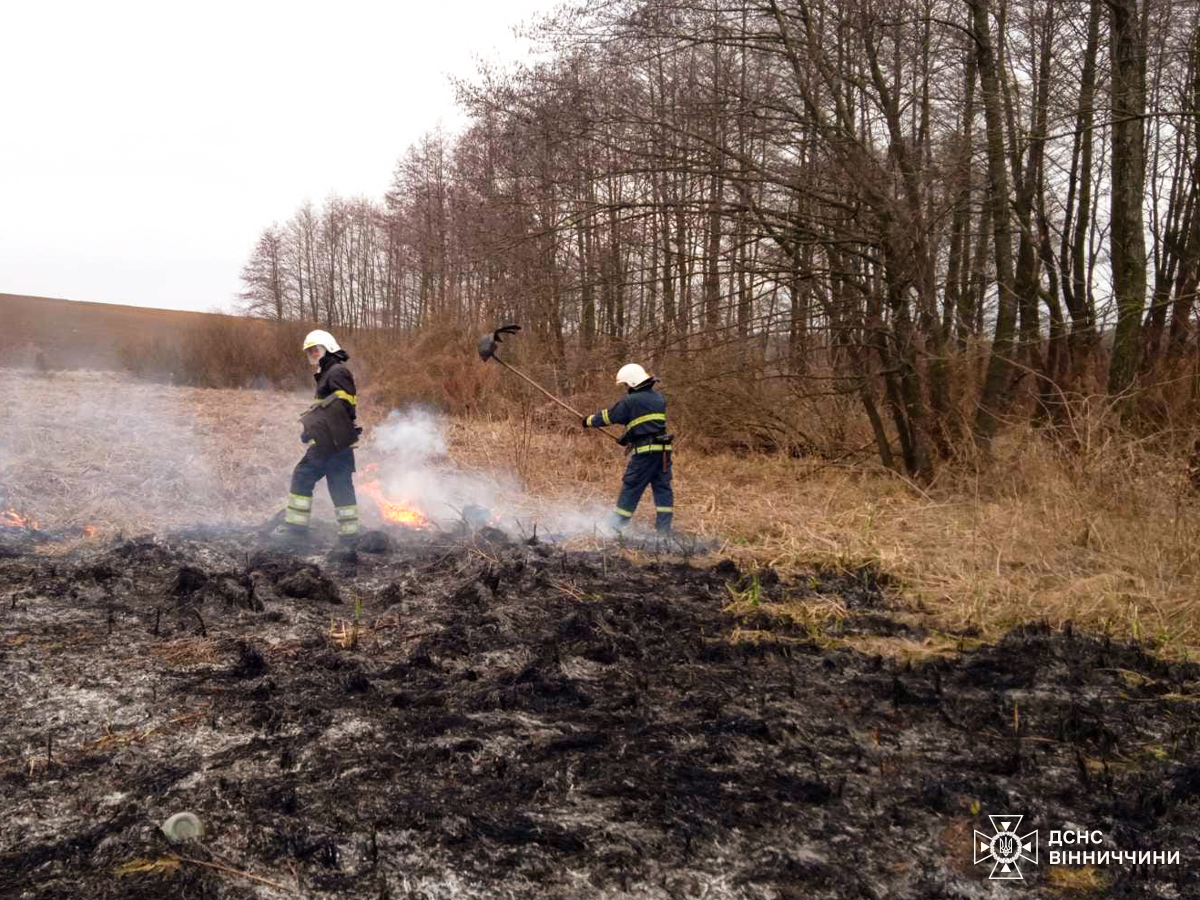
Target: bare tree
(263, 276)
(1127, 24)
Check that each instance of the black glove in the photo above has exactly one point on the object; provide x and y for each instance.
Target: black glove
(583, 421)
(304, 438)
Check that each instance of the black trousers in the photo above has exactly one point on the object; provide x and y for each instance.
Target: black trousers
(646, 470)
(338, 472)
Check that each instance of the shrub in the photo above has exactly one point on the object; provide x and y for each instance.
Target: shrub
(222, 351)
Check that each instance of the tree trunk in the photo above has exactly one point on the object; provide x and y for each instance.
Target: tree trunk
(1128, 243)
(1076, 287)
(998, 380)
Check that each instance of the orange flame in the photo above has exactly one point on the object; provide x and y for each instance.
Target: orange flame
(89, 530)
(394, 510)
(13, 519)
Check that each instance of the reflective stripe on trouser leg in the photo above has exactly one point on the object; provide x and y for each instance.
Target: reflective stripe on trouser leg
(664, 495)
(662, 518)
(306, 474)
(299, 509)
(638, 473)
(347, 517)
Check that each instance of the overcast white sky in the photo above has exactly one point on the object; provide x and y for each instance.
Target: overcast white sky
(146, 144)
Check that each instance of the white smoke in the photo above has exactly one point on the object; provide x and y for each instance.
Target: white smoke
(98, 448)
(127, 455)
(413, 438)
(411, 449)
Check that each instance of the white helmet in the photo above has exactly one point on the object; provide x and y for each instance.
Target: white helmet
(631, 374)
(322, 338)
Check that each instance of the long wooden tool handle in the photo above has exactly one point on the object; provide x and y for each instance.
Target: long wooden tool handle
(578, 414)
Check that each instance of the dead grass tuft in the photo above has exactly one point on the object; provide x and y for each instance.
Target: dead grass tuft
(1076, 879)
(754, 636)
(345, 634)
(185, 651)
(907, 650)
(812, 614)
(124, 737)
(957, 840)
(162, 866)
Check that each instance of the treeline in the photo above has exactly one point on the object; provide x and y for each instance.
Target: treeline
(947, 214)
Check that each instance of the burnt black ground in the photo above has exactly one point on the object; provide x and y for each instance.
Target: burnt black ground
(521, 720)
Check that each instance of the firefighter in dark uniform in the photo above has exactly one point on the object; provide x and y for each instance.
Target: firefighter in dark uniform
(331, 432)
(643, 412)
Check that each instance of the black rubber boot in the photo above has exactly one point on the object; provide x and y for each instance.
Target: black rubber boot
(291, 535)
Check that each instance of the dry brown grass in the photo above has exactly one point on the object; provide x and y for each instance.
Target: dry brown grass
(1107, 537)
(185, 651)
(1076, 880)
(126, 736)
(69, 334)
(97, 448)
(957, 840)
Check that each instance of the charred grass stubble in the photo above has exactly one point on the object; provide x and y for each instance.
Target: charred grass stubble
(549, 722)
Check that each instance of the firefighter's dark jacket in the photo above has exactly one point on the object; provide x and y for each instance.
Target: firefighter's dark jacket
(335, 407)
(643, 412)
(332, 376)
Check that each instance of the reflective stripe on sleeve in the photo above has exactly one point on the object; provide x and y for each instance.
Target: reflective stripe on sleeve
(604, 416)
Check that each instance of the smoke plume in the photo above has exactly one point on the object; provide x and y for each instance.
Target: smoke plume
(411, 449)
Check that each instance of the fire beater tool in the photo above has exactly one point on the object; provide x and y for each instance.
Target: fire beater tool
(490, 343)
